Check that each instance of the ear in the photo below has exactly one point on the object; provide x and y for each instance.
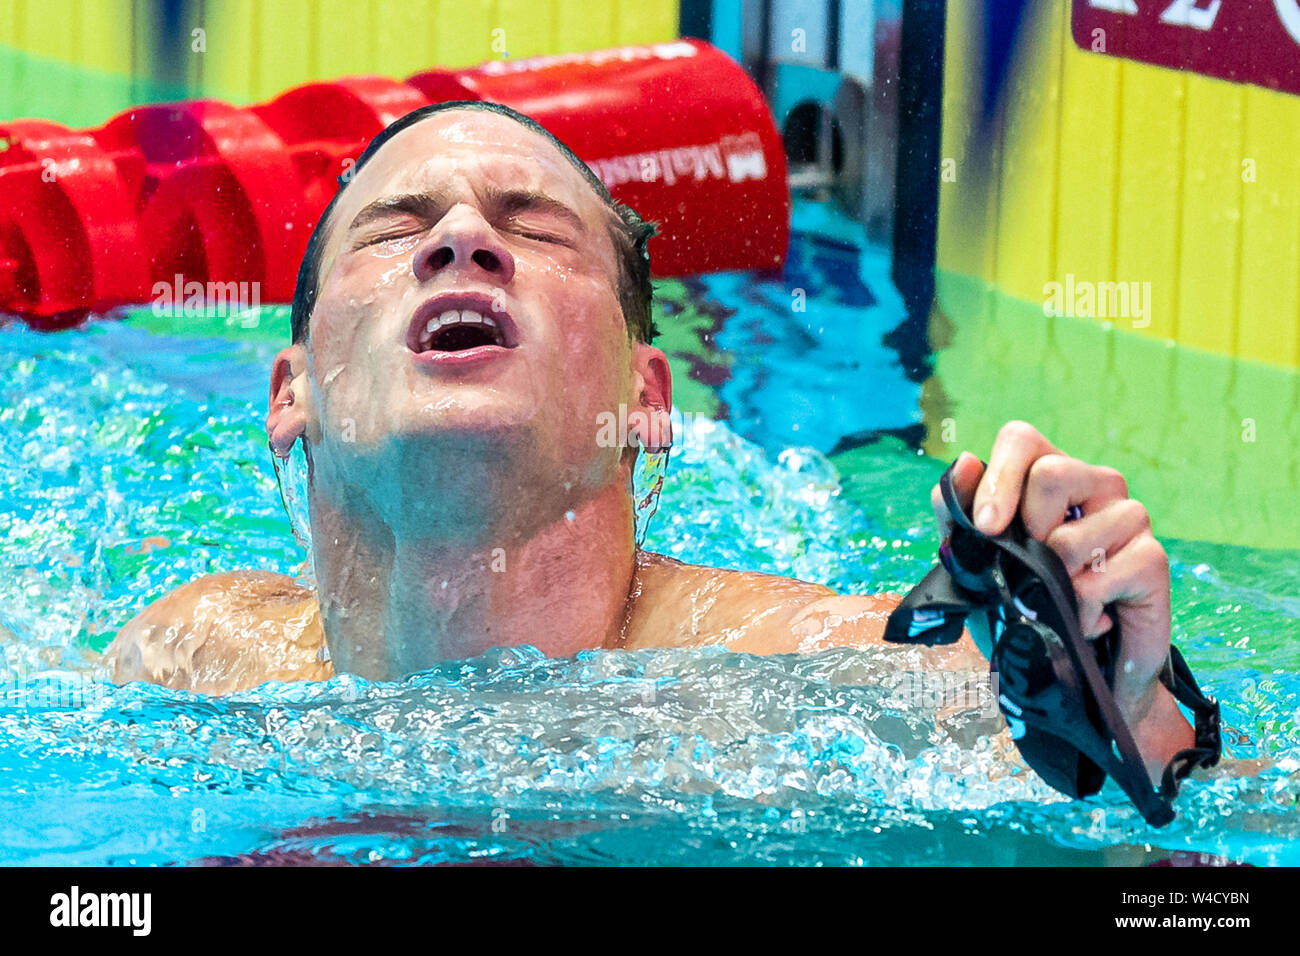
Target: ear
(652, 398)
(289, 414)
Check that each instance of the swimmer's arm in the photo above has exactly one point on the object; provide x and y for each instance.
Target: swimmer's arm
(223, 633)
(836, 620)
(824, 619)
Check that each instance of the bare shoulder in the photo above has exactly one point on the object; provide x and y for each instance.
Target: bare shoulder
(686, 605)
(225, 632)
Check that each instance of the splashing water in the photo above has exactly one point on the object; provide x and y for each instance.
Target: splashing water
(130, 463)
(647, 484)
(291, 481)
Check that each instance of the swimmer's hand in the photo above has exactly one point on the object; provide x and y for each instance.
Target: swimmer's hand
(1111, 557)
(224, 633)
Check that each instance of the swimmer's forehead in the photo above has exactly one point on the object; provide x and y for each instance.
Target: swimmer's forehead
(469, 148)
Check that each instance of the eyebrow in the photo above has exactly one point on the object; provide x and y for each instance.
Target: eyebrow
(507, 202)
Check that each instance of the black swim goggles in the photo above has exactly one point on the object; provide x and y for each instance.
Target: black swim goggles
(1053, 684)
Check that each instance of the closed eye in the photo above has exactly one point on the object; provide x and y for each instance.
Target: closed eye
(532, 230)
(539, 235)
(363, 241)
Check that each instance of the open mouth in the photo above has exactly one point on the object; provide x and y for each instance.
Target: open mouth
(453, 322)
(458, 330)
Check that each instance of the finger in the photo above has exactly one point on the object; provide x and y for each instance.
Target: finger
(1136, 580)
(1018, 446)
(1057, 481)
(966, 473)
(1104, 623)
(1087, 544)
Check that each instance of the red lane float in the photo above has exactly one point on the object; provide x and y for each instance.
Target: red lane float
(68, 230)
(677, 131)
(94, 219)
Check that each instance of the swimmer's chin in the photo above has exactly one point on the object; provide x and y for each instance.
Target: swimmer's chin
(483, 414)
(466, 430)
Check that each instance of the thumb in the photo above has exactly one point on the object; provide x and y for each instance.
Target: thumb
(966, 474)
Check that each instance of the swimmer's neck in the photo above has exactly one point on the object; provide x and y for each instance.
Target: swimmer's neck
(394, 607)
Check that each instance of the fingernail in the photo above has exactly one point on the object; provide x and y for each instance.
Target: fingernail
(984, 520)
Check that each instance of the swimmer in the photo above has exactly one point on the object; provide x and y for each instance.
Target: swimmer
(471, 307)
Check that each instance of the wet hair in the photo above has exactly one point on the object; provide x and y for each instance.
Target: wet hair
(628, 231)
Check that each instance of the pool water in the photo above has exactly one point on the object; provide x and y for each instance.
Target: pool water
(133, 459)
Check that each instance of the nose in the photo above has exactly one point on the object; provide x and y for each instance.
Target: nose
(463, 240)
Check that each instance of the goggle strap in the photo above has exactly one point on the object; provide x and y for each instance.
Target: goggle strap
(1126, 767)
(1209, 743)
(1123, 761)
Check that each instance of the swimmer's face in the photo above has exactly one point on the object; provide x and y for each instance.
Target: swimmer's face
(472, 203)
